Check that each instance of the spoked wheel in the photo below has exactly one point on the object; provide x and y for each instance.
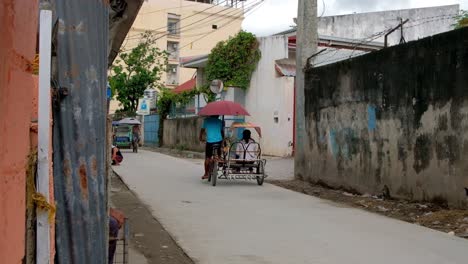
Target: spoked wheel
(214, 172)
(261, 173)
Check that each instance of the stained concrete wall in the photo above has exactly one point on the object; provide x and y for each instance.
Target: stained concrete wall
(397, 118)
(423, 22)
(183, 133)
(17, 97)
(270, 98)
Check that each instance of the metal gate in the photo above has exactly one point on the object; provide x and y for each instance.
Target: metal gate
(151, 128)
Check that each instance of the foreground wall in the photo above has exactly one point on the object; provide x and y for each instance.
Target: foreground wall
(18, 92)
(79, 131)
(183, 133)
(396, 118)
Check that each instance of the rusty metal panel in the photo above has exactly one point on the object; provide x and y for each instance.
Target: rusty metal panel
(79, 129)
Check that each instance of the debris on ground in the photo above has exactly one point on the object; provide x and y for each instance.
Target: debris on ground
(435, 216)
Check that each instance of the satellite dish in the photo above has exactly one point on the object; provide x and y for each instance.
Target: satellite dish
(216, 86)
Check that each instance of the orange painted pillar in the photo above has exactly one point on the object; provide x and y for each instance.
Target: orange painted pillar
(18, 31)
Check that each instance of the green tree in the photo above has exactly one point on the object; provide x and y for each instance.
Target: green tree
(462, 19)
(137, 70)
(233, 61)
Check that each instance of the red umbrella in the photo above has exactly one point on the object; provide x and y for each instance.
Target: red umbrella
(223, 108)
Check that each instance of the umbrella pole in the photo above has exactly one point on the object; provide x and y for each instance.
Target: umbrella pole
(224, 132)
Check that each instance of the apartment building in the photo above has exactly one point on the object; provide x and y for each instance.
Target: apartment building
(185, 28)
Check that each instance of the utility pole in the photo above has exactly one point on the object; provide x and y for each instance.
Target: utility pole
(306, 46)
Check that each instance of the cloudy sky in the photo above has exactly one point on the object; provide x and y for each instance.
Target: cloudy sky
(276, 15)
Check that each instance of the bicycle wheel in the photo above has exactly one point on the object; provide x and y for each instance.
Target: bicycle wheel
(261, 172)
(214, 172)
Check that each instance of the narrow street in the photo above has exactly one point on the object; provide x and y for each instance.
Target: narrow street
(240, 222)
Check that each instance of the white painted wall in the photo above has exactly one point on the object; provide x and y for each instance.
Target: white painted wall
(423, 22)
(270, 96)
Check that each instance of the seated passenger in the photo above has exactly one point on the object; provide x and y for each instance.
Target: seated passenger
(117, 156)
(247, 148)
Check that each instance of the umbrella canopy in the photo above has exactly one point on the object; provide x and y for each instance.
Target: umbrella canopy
(247, 125)
(129, 121)
(223, 108)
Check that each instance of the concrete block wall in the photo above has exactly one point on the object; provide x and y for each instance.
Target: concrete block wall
(396, 119)
(183, 133)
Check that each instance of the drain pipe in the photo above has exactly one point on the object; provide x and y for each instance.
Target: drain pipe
(43, 146)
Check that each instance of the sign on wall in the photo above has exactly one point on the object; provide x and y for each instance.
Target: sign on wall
(144, 106)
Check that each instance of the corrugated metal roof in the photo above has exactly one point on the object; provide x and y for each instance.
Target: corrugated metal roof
(186, 86)
(194, 61)
(332, 55)
(286, 67)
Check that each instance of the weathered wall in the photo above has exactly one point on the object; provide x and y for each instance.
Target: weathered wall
(17, 91)
(271, 96)
(79, 131)
(423, 22)
(397, 118)
(183, 133)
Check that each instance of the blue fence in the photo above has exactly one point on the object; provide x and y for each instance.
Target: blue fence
(151, 129)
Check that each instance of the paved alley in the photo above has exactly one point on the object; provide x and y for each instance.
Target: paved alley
(241, 222)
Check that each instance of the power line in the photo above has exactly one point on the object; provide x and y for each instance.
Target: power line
(252, 10)
(429, 21)
(218, 20)
(230, 11)
(323, 9)
(196, 13)
(364, 41)
(183, 6)
(199, 12)
(196, 23)
(165, 9)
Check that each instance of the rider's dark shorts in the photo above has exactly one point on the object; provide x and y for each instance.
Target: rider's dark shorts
(209, 149)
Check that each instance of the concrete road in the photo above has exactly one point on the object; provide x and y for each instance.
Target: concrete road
(240, 222)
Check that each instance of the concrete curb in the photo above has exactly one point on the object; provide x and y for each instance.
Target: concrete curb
(176, 152)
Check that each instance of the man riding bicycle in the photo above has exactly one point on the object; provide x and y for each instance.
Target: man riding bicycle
(212, 130)
(136, 133)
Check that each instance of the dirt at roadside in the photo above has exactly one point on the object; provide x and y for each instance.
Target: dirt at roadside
(430, 215)
(146, 233)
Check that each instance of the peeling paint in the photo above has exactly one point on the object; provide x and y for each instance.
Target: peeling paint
(395, 118)
(83, 180)
(371, 118)
(333, 145)
(80, 131)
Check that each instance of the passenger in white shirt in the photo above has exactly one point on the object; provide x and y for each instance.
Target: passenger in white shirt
(247, 148)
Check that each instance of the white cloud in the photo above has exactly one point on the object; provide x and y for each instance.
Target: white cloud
(277, 15)
(271, 17)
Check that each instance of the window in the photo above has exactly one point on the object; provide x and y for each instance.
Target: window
(172, 74)
(173, 50)
(173, 24)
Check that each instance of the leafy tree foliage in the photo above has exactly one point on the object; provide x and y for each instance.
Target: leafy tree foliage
(233, 61)
(462, 19)
(136, 70)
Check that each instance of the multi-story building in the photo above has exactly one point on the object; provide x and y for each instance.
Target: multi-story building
(186, 28)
